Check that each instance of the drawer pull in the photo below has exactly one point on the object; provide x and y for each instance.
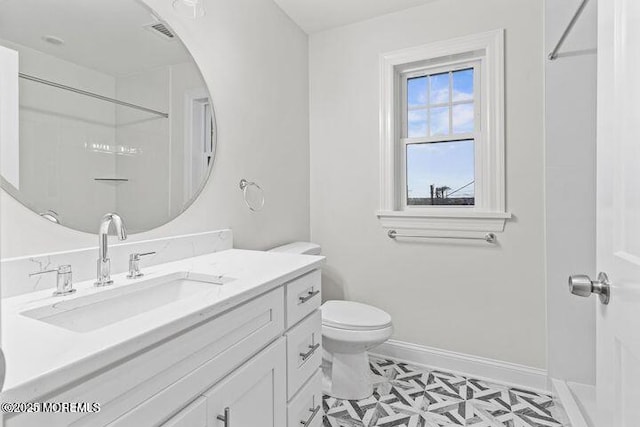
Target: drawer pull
(226, 418)
(314, 412)
(307, 297)
(308, 354)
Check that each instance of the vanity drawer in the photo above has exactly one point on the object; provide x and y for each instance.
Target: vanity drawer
(304, 352)
(303, 296)
(305, 410)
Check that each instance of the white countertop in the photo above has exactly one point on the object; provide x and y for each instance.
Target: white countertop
(42, 357)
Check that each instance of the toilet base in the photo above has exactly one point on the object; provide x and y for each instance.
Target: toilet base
(347, 375)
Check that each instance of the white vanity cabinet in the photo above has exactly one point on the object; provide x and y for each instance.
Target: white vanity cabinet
(305, 409)
(254, 394)
(304, 351)
(282, 385)
(256, 365)
(304, 355)
(194, 415)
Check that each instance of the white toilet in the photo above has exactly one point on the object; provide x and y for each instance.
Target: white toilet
(349, 329)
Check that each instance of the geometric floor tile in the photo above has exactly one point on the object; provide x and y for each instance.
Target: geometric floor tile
(410, 396)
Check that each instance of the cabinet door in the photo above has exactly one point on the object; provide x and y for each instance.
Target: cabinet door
(253, 395)
(194, 415)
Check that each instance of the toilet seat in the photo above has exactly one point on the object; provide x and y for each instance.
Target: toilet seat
(353, 316)
(357, 338)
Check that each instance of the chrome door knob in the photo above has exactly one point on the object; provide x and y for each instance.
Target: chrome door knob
(580, 285)
(583, 286)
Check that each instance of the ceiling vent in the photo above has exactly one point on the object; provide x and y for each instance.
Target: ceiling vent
(161, 30)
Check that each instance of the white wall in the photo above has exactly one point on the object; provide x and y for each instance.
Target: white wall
(254, 60)
(570, 104)
(465, 297)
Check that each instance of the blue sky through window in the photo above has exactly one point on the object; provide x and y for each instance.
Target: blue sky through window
(449, 164)
(417, 92)
(441, 105)
(463, 85)
(439, 88)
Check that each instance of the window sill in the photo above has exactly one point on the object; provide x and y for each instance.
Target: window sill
(444, 220)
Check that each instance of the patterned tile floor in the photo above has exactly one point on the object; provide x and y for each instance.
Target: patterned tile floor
(412, 396)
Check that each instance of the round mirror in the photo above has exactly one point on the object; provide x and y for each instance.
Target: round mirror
(113, 113)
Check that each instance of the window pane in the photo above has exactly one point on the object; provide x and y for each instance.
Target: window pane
(441, 173)
(417, 123)
(440, 121)
(417, 92)
(439, 88)
(463, 85)
(463, 118)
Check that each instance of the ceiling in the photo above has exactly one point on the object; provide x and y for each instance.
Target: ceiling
(317, 15)
(107, 36)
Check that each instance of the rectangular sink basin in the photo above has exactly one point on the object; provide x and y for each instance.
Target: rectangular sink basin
(91, 312)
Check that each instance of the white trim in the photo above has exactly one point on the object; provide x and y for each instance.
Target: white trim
(569, 403)
(191, 97)
(452, 219)
(478, 367)
(9, 116)
(488, 48)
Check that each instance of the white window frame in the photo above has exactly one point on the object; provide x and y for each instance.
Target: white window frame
(489, 212)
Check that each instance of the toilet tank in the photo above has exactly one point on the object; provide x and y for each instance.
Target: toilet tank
(302, 248)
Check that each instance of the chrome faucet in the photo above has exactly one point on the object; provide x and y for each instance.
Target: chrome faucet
(104, 263)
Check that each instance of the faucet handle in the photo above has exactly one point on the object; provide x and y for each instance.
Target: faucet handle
(64, 279)
(134, 264)
(63, 269)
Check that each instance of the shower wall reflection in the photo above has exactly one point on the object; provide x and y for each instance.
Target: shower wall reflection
(82, 155)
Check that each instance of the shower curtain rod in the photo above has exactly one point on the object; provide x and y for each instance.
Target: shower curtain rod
(91, 94)
(554, 53)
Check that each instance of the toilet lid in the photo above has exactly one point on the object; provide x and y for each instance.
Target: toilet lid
(353, 315)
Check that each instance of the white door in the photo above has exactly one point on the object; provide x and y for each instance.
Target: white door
(618, 212)
(254, 395)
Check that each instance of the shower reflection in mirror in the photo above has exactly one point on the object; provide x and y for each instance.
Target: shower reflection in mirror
(130, 130)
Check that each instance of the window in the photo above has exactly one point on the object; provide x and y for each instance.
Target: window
(439, 135)
(442, 136)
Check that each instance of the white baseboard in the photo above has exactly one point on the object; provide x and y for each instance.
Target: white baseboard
(474, 366)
